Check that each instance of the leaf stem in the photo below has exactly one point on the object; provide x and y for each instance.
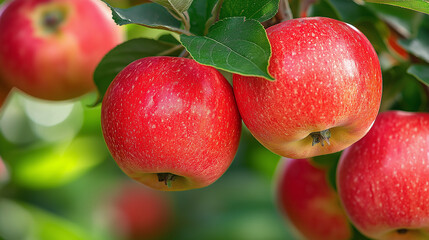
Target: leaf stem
(217, 9)
(174, 14)
(170, 50)
(184, 54)
(186, 21)
(176, 30)
(183, 17)
(186, 32)
(214, 17)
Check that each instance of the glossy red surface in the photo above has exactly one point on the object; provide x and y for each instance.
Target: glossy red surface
(171, 115)
(309, 203)
(54, 64)
(383, 179)
(327, 77)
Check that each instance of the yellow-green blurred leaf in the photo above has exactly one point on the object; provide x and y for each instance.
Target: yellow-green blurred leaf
(416, 5)
(23, 221)
(55, 165)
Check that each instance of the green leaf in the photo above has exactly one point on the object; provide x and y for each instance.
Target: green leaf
(199, 13)
(148, 14)
(357, 235)
(235, 45)
(416, 5)
(351, 12)
(419, 46)
(327, 160)
(260, 10)
(295, 6)
(175, 5)
(402, 20)
(376, 31)
(421, 72)
(323, 8)
(401, 91)
(48, 226)
(124, 54)
(168, 38)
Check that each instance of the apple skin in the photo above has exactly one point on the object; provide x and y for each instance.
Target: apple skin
(383, 179)
(55, 63)
(171, 115)
(138, 212)
(327, 76)
(5, 89)
(308, 201)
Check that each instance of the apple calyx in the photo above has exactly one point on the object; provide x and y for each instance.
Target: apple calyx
(167, 178)
(320, 137)
(402, 231)
(52, 19)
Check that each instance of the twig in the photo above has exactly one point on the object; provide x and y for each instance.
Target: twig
(170, 50)
(284, 13)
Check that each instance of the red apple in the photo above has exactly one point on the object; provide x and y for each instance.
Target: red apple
(171, 120)
(326, 93)
(383, 179)
(50, 48)
(309, 202)
(139, 212)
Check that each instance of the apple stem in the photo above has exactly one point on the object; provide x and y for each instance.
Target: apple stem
(320, 137)
(402, 231)
(167, 178)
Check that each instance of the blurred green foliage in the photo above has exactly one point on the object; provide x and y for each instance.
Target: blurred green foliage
(60, 169)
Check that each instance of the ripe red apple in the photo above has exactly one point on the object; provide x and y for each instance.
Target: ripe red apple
(171, 120)
(139, 212)
(309, 202)
(383, 179)
(50, 48)
(326, 93)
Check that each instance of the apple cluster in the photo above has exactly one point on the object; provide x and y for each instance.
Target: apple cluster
(382, 177)
(382, 185)
(46, 53)
(174, 124)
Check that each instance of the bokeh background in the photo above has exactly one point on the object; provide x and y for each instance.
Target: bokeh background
(63, 184)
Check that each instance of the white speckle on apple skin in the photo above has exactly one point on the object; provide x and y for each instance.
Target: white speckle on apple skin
(382, 179)
(327, 77)
(161, 119)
